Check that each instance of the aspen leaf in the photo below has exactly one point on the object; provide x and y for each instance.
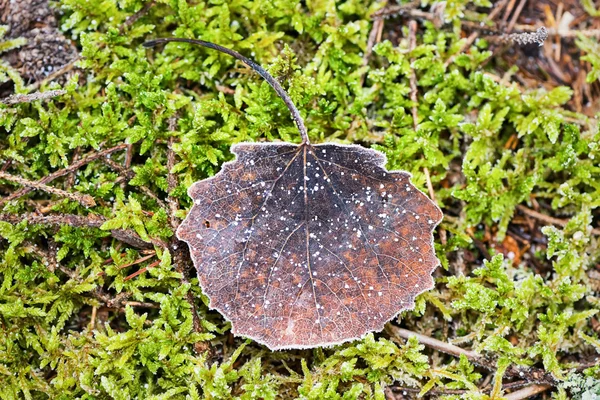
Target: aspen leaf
(309, 245)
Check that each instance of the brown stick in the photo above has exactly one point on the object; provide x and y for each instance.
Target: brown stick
(28, 98)
(516, 16)
(180, 260)
(84, 199)
(141, 270)
(408, 8)
(91, 221)
(171, 178)
(548, 219)
(533, 375)
(527, 392)
(138, 261)
(74, 166)
(444, 347)
(374, 38)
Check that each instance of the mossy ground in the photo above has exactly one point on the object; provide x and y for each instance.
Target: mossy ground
(515, 286)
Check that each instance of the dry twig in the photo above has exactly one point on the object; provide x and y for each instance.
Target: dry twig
(527, 392)
(532, 375)
(91, 221)
(171, 178)
(28, 98)
(74, 166)
(84, 199)
(548, 219)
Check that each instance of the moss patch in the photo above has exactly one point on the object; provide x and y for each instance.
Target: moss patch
(95, 301)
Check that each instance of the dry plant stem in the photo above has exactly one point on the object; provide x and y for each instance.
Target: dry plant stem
(548, 219)
(431, 342)
(76, 165)
(508, 10)
(374, 38)
(179, 261)
(110, 301)
(83, 199)
(28, 98)
(434, 392)
(141, 271)
(408, 8)
(497, 8)
(139, 260)
(140, 304)
(527, 392)
(91, 221)
(172, 179)
(516, 16)
(127, 175)
(532, 375)
(93, 318)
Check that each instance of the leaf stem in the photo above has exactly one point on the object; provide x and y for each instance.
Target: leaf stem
(260, 70)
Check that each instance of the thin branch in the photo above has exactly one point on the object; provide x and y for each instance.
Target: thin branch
(74, 166)
(138, 261)
(510, 385)
(374, 38)
(548, 219)
(527, 392)
(28, 98)
(532, 375)
(171, 178)
(141, 270)
(84, 199)
(140, 304)
(70, 181)
(516, 16)
(91, 221)
(409, 9)
(431, 342)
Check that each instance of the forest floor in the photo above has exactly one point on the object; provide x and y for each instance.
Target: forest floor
(492, 107)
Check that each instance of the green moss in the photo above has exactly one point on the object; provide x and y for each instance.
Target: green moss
(73, 326)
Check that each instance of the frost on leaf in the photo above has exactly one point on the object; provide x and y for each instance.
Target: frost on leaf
(310, 245)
